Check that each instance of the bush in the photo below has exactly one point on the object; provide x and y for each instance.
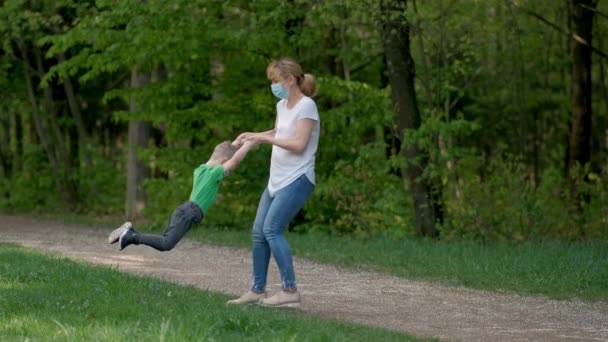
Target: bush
(507, 206)
(33, 188)
(362, 198)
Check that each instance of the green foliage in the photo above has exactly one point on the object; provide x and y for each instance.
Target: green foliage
(357, 192)
(361, 198)
(34, 188)
(505, 205)
(103, 194)
(593, 216)
(492, 86)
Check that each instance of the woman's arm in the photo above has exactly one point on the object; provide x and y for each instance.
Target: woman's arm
(297, 144)
(268, 133)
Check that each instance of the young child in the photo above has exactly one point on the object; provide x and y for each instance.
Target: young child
(206, 183)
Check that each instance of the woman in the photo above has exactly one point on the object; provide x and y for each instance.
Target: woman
(294, 140)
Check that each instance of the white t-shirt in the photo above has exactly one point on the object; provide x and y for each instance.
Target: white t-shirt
(286, 166)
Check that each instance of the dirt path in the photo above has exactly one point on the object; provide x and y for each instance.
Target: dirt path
(420, 308)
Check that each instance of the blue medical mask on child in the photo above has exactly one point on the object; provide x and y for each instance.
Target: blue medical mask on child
(279, 91)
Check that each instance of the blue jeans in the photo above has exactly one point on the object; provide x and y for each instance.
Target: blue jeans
(273, 216)
(182, 219)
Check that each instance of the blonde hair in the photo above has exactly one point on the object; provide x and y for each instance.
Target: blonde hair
(224, 150)
(288, 67)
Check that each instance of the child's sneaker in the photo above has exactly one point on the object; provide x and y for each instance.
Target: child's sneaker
(115, 234)
(283, 299)
(248, 298)
(126, 238)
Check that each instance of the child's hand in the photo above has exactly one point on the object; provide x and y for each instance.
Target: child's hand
(244, 136)
(233, 162)
(237, 143)
(248, 144)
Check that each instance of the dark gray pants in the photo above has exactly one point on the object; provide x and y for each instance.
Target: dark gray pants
(182, 219)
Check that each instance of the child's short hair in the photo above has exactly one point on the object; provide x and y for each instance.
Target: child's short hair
(224, 150)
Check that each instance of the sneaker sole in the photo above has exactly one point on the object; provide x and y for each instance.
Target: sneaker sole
(115, 234)
(122, 235)
(230, 302)
(236, 302)
(294, 305)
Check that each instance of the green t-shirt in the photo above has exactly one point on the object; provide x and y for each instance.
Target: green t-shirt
(205, 185)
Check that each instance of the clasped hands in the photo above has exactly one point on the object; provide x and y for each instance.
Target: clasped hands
(249, 138)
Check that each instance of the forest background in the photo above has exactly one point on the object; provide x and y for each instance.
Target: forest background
(453, 119)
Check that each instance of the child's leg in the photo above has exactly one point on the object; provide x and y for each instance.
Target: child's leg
(182, 219)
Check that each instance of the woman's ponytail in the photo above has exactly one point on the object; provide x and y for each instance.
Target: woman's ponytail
(308, 85)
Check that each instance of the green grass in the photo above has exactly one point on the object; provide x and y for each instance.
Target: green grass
(556, 269)
(50, 298)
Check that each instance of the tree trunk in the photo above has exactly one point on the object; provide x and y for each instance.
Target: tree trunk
(83, 136)
(16, 142)
(396, 44)
(604, 95)
(568, 49)
(139, 133)
(423, 57)
(5, 151)
(343, 42)
(580, 133)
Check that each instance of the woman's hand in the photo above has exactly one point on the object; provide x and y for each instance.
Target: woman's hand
(238, 142)
(257, 138)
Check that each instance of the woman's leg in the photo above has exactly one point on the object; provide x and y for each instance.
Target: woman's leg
(285, 205)
(261, 250)
(182, 219)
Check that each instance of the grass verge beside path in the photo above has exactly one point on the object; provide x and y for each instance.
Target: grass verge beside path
(50, 298)
(558, 270)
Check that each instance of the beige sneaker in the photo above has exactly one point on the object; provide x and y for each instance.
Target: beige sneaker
(248, 298)
(115, 234)
(283, 299)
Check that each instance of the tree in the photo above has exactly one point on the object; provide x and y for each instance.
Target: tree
(401, 70)
(137, 171)
(579, 149)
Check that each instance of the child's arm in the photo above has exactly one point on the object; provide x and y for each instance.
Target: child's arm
(236, 159)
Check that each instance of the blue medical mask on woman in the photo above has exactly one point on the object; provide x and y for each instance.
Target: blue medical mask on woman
(279, 91)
